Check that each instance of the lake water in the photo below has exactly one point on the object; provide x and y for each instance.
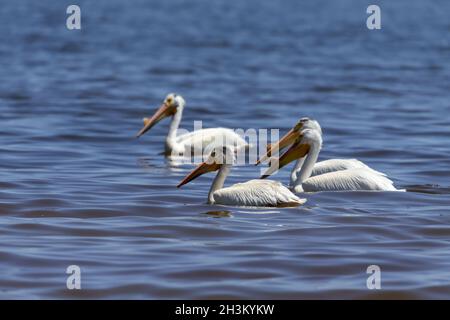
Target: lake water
(76, 187)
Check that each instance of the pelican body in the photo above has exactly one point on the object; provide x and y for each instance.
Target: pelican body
(191, 143)
(329, 175)
(253, 193)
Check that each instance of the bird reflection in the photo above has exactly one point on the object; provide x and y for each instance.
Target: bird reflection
(219, 214)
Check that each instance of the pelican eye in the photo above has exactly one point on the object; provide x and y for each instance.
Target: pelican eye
(298, 126)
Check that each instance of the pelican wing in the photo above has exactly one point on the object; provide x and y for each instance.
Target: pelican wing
(332, 165)
(215, 136)
(348, 180)
(257, 193)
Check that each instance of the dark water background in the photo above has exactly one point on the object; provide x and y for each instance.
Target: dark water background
(77, 188)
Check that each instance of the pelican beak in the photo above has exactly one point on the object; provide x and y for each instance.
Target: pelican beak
(285, 141)
(203, 168)
(296, 151)
(164, 111)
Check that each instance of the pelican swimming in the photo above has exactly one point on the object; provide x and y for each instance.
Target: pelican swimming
(306, 148)
(253, 193)
(320, 167)
(195, 141)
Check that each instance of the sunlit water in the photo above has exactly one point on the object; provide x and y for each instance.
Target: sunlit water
(76, 187)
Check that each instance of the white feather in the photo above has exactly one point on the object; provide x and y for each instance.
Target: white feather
(332, 165)
(350, 180)
(257, 193)
(199, 140)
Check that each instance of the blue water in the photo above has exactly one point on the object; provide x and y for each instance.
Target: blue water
(76, 187)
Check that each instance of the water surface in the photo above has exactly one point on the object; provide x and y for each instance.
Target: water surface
(76, 187)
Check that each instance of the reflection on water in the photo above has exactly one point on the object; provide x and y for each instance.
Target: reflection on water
(428, 188)
(219, 214)
(76, 187)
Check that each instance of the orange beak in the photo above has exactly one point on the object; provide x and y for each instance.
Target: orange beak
(164, 111)
(296, 151)
(286, 140)
(202, 168)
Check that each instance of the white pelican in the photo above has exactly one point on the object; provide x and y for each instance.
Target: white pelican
(308, 145)
(253, 193)
(320, 167)
(197, 140)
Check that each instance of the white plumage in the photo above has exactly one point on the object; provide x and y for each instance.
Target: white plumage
(257, 193)
(200, 140)
(347, 180)
(196, 141)
(332, 165)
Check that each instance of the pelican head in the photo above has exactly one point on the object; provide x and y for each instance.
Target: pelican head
(290, 137)
(171, 105)
(307, 139)
(219, 157)
(307, 123)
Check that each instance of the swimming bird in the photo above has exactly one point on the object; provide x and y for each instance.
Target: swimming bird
(308, 145)
(196, 141)
(253, 193)
(320, 167)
